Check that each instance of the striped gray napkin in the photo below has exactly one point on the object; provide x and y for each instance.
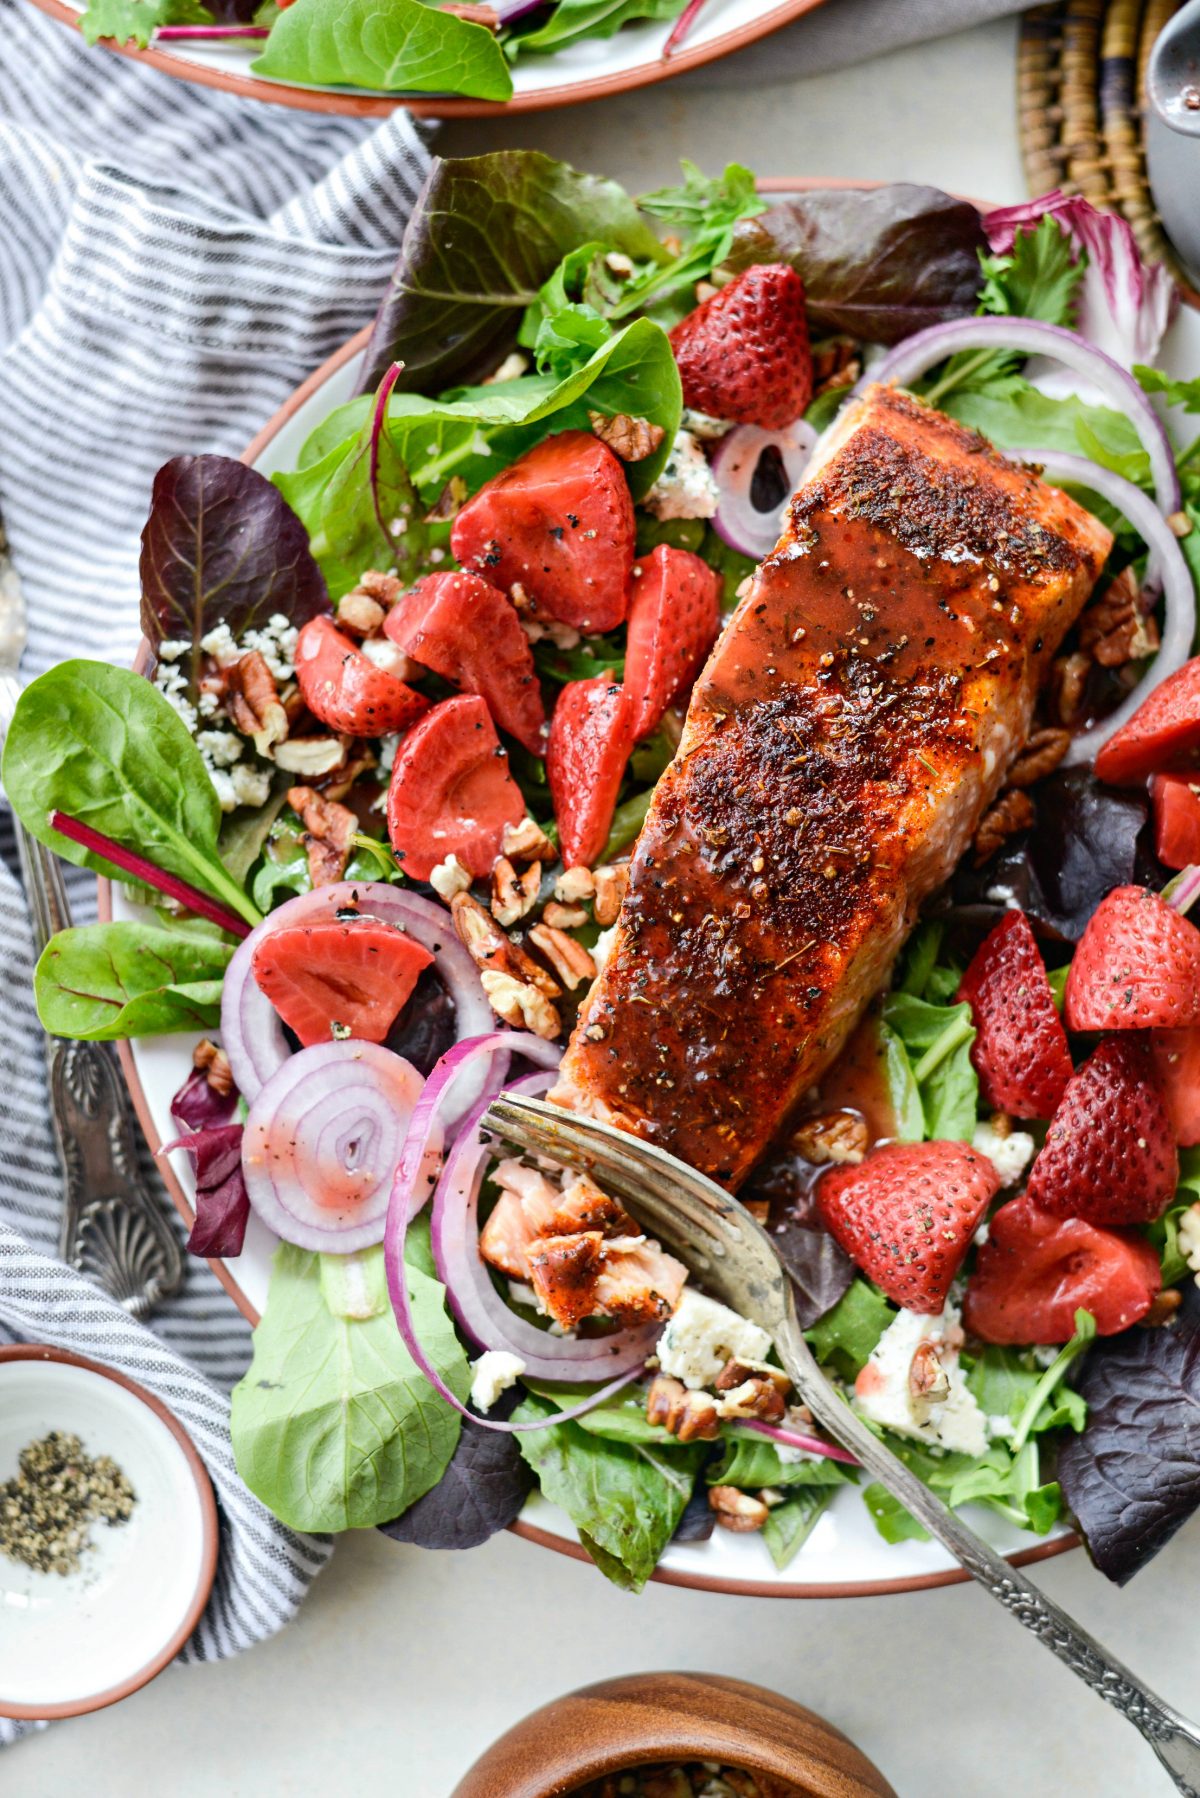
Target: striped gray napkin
(172, 263)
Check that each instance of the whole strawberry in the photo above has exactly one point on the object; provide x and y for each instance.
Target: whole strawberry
(907, 1215)
(744, 355)
(1137, 967)
(1020, 1050)
(1109, 1154)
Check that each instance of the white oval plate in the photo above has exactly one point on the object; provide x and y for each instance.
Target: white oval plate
(845, 1556)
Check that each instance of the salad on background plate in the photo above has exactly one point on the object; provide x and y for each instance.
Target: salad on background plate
(422, 791)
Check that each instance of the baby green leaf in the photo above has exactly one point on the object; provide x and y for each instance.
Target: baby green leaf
(126, 979)
(399, 47)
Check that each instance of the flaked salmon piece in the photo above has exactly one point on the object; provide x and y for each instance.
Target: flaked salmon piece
(585, 1207)
(853, 722)
(589, 1275)
(523, 1212)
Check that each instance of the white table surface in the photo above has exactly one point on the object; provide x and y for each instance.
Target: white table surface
(403, 1665)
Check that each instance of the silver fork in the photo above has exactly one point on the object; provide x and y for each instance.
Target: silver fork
(734, 1258)
(113, 1228)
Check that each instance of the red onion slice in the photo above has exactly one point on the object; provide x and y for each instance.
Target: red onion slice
(251, 1032)
(322, 1140)
(1184, 890)
(919, 353)
(738, 521)
(1168, 564)
(811, 1445)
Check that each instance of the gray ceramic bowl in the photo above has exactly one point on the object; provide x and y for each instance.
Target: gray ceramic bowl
(1173, 131)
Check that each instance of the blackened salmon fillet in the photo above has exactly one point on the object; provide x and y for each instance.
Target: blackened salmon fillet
(855, 720)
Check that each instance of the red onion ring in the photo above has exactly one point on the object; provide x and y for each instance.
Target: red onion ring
(251, 1032)
(812, 1445)
(919, 353)
(1167, 559)
(738, 522)
(322, 1141)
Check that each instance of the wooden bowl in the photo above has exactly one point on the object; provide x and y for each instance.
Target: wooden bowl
(648, 1718)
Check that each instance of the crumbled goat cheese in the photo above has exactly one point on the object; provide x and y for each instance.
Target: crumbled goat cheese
(1189, 1239)
(686, 487)
(221, 645)
(387, 751)
(386, 655)
(449, 878)
(1010, 1155)
(702, 1336)
(703, 426)
(522, 1294)
(882, 1393)
(172, 684)
(276, 643)
(512, 368)
(494, 1372)
(224, 788)
(221, 748)
(251, 786)
(173, 649)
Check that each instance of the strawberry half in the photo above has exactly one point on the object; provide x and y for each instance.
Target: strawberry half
(1035, 1271)
(1165, 727)
(591, 735)
(1020, 1051)
(451, 792)
(345, 690)
(342, 976)
(1109, 1154)
(673, 618)
(744, 355)
(468, 632)
(1177, 1068)
(559, 520)
(1137, 967)
(907, 1214)
(1176, 800)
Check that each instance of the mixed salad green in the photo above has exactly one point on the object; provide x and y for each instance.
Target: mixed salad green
(243, 785)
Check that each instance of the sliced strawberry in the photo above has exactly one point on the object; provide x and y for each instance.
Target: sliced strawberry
(468, 632)
(907, 1214)
(744, 354)
(1164, 730)
(345, 690)
(451, 792)
(1137, 967)
(344, 977)
(1109, 1154)
(559, 521)
(673, 619)
(1177, 1067)
(1035, 1271)
(591, 735)
(1176, 819)
(1020, 1051)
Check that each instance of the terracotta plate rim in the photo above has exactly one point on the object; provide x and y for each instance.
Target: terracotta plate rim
(96, 1701)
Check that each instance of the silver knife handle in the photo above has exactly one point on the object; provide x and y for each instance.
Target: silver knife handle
(1175, 1741)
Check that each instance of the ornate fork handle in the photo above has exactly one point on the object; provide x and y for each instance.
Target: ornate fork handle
(1175, 1741)
(113, 1228)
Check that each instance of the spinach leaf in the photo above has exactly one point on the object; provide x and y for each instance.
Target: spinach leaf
(937, 1040)
(220, 546)
(790, 1524)
(574, 19)
(481, 1491)
(334, 1427)
(402, 46)
(845, 1336)
(102, 981)
(625, 1499)
(486, 232)
(879, 264)
(101, 744)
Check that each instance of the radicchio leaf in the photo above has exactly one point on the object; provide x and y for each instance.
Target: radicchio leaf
(1132, 1477)
(820, 1268)
(485, 233)
(222, 546)
(215, 1144)
(481, 1491)
(879, 263)
(698, 1520)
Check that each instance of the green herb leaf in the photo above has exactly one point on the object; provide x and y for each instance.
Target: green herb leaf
(1051, 1379)
(1038, 278)
(402, 46)
(334, 1427)
(845, 1336)
(103, 981)
(369, 519)
(790, 1524)
(1176, 392)
(135, 21)
(937, 1040)
(571, 20)
(752, 1462)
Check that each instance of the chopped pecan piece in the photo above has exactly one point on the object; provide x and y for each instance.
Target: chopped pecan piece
(1114, 629)
(345, 776)
(252, 701)
(490, 948)
(831, 1136)
(574, 884)
(756, 1397)
(569, 959)
(1013, 811)
(450, 878)
(385, 589)
(928, 1381)
(360, 614)
(329, 831)
(690, 1416)
(632, 439)
(1162, 1309)
(526, 842)
(1041, 755)
(736, 1373)
(213, 1063)
(736, 1510)
(610, 887)
(512, 898)
(836, 363)
(564, 917)
(312, 756)
(1068, 683)
(520, 1003)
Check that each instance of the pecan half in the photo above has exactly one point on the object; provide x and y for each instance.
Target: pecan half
(450, 878)
(520, 1003)
(632, 439)
(512, 898)
(1114, 629)
(735, 1373)
(569, 959)
(831, 1136)
(213, 1063)
(736, 1510)
(345, 776)
(928, 1381)
(489, 947)
(1068, 683)
(611, 885)
(690, 1416)
(329, 831)
(312, 756)
(252, 701)
(564, 917)
(1041, 755)
(526, 842)
(1013, 811)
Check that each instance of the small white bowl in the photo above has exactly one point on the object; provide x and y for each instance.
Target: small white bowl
(76, 1642)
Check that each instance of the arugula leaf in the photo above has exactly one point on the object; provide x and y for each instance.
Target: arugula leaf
(486, 232)
(937, 1041)
(1006, 1483)
(624, 1498)
(1176, 392)
(574, 19)
(790, 1524)
(402, 46)
(103, 981)
(1008, 1383)
(1014, 414)
(845, 1336)
(334, 1426)
(1030, 1417)
(135, 21)
(705, 212)
(102, 744)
